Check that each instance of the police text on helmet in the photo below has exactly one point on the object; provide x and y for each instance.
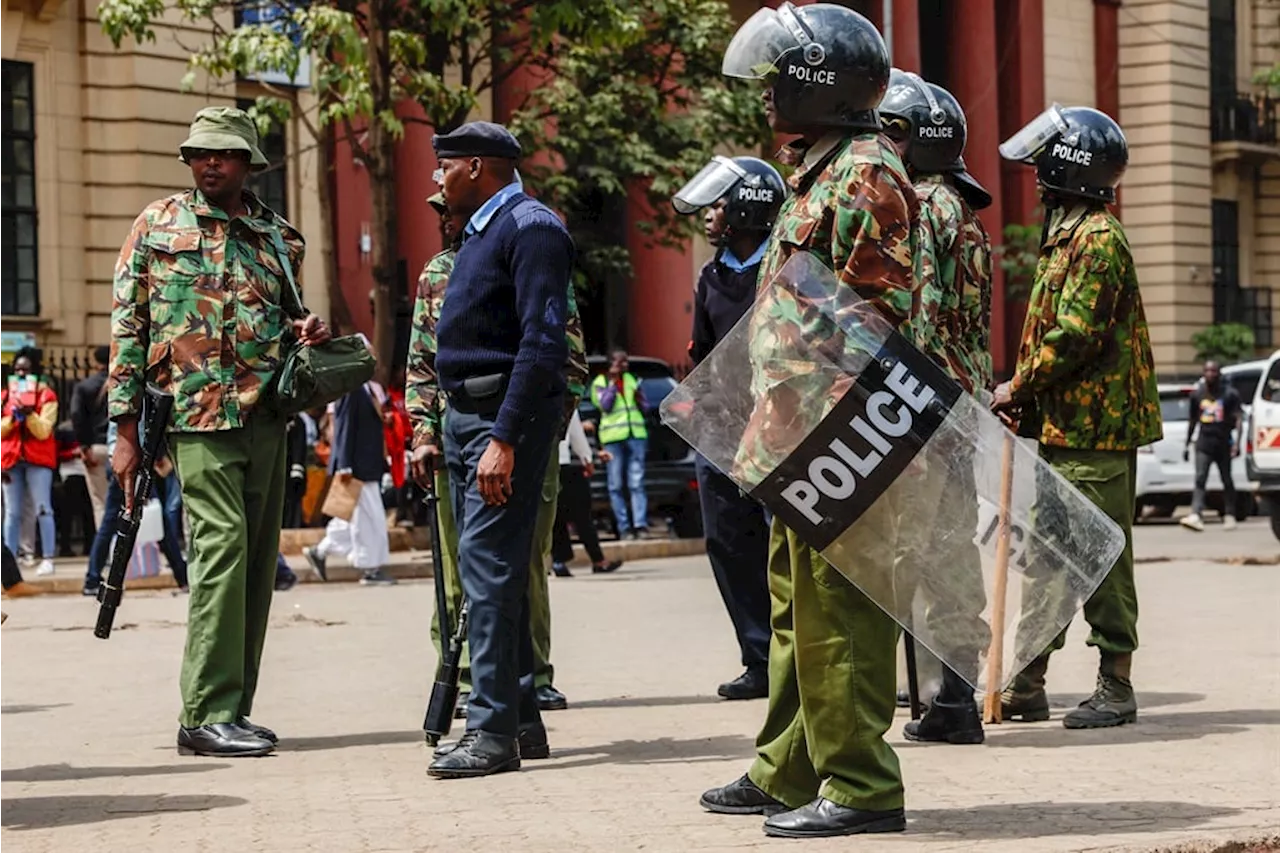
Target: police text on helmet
(1072, 155)
(867, 441)
(813, 75)
(929, 132)
(763, 194)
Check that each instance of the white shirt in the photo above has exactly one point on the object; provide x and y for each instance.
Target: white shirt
(576, 441)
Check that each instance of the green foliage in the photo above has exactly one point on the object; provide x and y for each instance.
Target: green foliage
(1019, 255)
(1225, 343)
(646, 109)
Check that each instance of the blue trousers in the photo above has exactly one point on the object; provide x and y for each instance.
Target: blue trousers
(23, 479)
(737, 533)
(494, 543)
(628, 464)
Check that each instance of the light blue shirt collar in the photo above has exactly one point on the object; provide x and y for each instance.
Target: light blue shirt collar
(731, 261)
(480, 219)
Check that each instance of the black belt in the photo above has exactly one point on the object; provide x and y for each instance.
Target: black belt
(480, 395)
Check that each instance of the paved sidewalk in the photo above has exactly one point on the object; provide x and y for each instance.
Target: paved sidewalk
(89, 762)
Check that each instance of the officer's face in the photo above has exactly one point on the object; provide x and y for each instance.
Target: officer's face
(458, 182)
(776, 122)
(713, 223)
(219, 174)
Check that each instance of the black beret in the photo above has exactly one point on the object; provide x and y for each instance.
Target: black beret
(477, 139)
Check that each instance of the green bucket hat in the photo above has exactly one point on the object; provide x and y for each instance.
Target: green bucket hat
(437, 201)
(224, 129)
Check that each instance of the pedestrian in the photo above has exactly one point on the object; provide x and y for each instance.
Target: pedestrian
(622, 432)
(359, 453)
(30, 453)
(822, 765)
(89, 419)
(296, 455)
(741, 198)
(181, 305)
(574, 505)
(500, 357)
(1218, 411)
(953, 271)
(1086, 381)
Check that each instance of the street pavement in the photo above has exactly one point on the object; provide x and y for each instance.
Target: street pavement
(87, 728)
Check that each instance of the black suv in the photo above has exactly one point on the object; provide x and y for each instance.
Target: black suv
(670, 475)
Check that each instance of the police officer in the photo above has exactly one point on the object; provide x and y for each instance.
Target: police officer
(953, 270)
(1085, 380)
(823, 767)
(500, 359)
(741, 198)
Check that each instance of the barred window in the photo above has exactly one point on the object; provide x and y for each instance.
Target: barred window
(21, 290)
(272, 184)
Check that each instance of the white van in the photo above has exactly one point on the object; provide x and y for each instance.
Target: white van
(1262, 445)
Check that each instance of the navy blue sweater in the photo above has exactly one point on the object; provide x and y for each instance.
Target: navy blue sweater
(722, 297)
(506, 310)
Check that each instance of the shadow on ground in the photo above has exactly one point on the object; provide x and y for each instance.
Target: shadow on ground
(1185, 725)
(30, 709)
(645, 702)
(308, 744)
(64, 772)
(50, 812)
(1039, 820)
(657, 751)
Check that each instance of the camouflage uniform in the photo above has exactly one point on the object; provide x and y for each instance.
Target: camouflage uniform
(953, 269)
(426, 410)
(1085, 364)
(201, 308)
(831, 661)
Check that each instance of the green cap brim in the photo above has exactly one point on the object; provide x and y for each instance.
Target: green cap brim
(437, 201)
(213, 140)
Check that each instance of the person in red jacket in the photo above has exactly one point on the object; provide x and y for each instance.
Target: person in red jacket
(28, 453)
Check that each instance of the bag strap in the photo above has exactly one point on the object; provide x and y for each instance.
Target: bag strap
(282, 255)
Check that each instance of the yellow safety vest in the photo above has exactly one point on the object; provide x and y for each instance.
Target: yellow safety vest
(626, 420)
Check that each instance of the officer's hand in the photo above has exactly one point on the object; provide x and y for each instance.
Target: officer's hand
(312, 331)
(588, 468)
(493, 474)
(423, 463)
(125, 459)
(1002, 397)
(1235, 451)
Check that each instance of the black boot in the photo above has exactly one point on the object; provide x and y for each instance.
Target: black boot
(1112, 702)
(222, 740)
(952, 718)
(1025, 701)
(823, 818)
(752, 684)
(741, 796)
(478, 753)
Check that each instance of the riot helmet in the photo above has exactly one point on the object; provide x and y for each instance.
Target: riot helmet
(752, 191)
(828, 65)
(1077, 151)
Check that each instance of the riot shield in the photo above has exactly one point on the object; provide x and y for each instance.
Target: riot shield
(908, 486)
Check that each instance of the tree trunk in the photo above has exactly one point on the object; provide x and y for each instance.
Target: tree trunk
(339, 310)
(380, 167)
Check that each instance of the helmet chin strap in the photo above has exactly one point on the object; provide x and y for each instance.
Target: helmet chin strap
(936, 113)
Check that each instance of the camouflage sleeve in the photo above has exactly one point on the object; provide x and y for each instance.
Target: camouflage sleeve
(1084, 314)
(872, 241)
(975, 310)
(923, 328)
(422, 390)
(130, 323)
(575, 374)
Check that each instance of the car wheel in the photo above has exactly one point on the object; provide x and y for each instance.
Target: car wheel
(1244, 506)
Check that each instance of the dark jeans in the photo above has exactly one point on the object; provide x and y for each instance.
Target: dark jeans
(494, 543)
(737, 534)
(1205, 459)
(574, 506)
(170, 496)
(10, 575)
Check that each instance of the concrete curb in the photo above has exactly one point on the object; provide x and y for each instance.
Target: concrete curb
(406, 564)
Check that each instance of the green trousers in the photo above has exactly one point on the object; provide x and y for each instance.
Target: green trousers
(539, 597)
(233, 490)
(1108, 478)
(831, 680)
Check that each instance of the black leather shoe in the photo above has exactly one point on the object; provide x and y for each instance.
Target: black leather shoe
(752, 684)
(460, 710)
(606, 568)
(550, 699)
(224, 740)
(478, 753)
(823, 818)
(741, 797)
(261, 731)
(316, 561)
(533, 745)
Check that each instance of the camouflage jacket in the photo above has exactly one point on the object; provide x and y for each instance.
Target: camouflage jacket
(953, 267)
(200, 308)
(1085, 358)
(858, 217)
(422, 387)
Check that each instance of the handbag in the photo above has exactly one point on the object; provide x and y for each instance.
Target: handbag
(344, 494)
(316, 375)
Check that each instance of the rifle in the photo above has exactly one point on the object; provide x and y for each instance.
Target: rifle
(157, 407)
(444, 692)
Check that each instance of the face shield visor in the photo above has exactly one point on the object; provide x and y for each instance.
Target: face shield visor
(709, 185)
(1027, 143)
(755, 48)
